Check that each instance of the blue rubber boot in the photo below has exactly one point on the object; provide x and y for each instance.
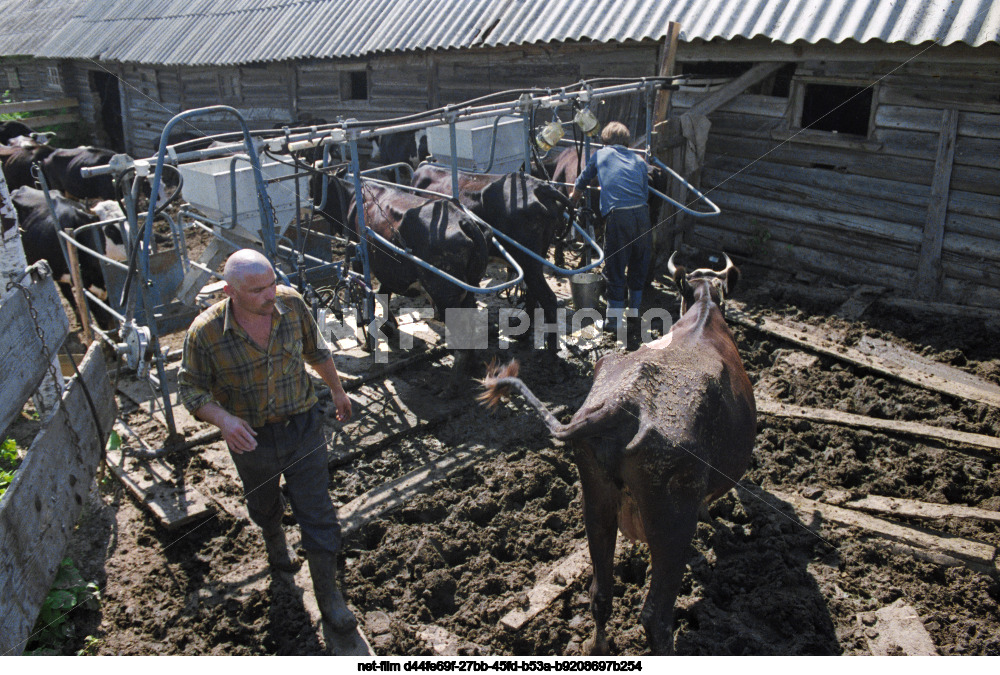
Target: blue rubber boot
(635, 302)
(616, 311)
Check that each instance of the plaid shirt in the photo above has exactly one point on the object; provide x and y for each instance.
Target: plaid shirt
(223, 365)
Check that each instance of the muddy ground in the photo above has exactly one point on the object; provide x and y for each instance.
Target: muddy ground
(462, 554)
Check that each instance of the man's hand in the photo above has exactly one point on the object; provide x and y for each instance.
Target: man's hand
(343, 404)
(238, 433)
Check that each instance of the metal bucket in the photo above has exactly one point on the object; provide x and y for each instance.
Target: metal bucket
(586, 289)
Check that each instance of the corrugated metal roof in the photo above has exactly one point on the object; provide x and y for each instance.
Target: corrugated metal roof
(222, 32)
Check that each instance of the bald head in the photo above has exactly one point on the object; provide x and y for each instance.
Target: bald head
(243, 264)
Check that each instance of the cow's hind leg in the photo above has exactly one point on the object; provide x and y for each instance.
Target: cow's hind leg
(600, 515)
(669, 516)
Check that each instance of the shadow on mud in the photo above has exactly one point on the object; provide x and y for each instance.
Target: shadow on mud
(752, 587)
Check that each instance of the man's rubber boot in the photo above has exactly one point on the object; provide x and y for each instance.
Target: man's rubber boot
(323, 569)
(279, 555)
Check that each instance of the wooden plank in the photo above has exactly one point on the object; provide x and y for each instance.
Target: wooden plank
(50, 120)
(157, 486)
(929, 268)
(42, 504)
(831, 295)
(858, 303)
(975, 554)
(915, 509)
(877, 355)
(733, 89)
(395, 493)
(24, 357)
(31, 106)
(942, 308)
(896, 630)
(771, 407)
(442, 642)
(550, 587)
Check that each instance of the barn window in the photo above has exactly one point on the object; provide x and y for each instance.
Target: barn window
(836, 108)
(52, 73)
(354, 85)
(229, 86)
(12, 81)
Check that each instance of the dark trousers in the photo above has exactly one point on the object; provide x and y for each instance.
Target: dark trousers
(297, 450)
(628, 248)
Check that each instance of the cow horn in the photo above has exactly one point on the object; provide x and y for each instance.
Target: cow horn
(729, 264)
(671, 268)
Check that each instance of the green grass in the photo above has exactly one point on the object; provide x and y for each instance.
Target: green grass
(9, 461)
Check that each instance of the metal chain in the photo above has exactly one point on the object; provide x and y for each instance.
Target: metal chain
(43, 270)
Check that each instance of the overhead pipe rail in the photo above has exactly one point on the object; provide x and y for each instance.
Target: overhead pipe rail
(247, 146)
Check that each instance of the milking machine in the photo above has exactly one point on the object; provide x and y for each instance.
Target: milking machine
(252, 188)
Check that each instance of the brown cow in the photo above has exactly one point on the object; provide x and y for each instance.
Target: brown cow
(665, 430)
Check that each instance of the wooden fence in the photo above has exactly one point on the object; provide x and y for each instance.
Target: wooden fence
(42, 503)
(42, 114)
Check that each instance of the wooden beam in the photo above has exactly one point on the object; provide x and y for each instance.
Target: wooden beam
(550, 587)
(50, 120)
(910, 508)
(716, 99)
(894, 629)
(157, 486)
(974, 554)
(43, 502)
(32, 106)
(861, 299)
(769, 406)
(877, 355)
(28, 343)
(668, 57)
(445, 643)
(929, 268)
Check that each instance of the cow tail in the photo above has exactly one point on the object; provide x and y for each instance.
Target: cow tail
(497, 384)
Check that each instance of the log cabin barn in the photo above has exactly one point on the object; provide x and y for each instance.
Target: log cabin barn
(859, 140)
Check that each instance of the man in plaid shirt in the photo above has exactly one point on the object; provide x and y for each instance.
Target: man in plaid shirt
(244, 371)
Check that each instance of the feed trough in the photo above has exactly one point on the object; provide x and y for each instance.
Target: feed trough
(224, 189)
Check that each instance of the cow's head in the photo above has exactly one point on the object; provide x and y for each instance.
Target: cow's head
(695, 284)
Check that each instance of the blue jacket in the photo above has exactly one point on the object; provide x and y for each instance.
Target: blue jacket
(622, 175)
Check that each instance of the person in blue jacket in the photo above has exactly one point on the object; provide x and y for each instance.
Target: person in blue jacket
(624, 182)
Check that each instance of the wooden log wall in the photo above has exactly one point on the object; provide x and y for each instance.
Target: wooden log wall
(915, 206)
(909, 206)
(32, 79)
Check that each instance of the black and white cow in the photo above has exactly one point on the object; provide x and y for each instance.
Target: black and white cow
(40, 239)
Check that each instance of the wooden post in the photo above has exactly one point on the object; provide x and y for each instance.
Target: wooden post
(929, 267)
(12, 265)
(660, 136)
(666, 69)
(81, 301)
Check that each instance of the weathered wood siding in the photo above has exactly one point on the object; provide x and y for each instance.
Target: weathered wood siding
(862, 208)
(33, 81)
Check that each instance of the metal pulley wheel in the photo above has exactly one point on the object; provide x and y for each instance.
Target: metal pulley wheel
(135, 347)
